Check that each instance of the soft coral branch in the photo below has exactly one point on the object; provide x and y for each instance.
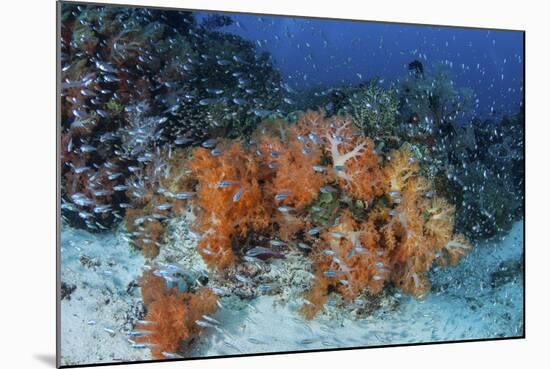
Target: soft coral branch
(170, 324)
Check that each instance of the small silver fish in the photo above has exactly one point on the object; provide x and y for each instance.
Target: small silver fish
(185, 195)
(216, 151)
(243, 279)
(238, 194)
(210, 319)
(203, 324)
(210, 143)
(164, 206)
(87, 148)
(183, 140)
(239, 101)
(314, 231)
(226, 183)
(171, 355)
(140, 345)
(282, 195)
(100, 209)
(260, 251)
(314, 138)
(277, 243)
(105, 67)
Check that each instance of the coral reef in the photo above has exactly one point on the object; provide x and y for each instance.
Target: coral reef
(484, 176)
(346, 259)
(431, 99)
(374, 111)
(230, 198)
(173, 317)
(318, 186)
(132, 81)
(398, 241)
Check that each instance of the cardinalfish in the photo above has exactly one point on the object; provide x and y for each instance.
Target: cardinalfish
(185, 195)
(238, 194)
(277, 243)
(227, 183)
(282, 195)
(171, 355)
(210, 143)
(314, 231)
(263, 253)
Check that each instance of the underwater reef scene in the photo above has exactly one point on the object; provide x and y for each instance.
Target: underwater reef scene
(241, 184)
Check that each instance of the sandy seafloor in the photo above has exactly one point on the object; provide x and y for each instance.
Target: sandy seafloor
(482, 297)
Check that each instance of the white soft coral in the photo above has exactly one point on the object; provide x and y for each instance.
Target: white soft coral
(339, 160)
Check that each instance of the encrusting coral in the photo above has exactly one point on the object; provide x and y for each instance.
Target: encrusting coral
(171, 321)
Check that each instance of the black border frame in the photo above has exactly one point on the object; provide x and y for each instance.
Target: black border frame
(59, 4)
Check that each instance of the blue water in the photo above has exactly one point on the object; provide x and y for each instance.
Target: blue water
(325, 52)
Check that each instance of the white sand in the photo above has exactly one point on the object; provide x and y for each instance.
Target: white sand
(466, 309)
(86, 315)
(462, 306)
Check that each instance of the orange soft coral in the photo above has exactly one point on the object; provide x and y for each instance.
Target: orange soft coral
(399, 241)
(455, 249)
(269, 186)
(293, 161)
(170, 323)
(401, 168)
(347, 259)
(230, 199)
(354, 163)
